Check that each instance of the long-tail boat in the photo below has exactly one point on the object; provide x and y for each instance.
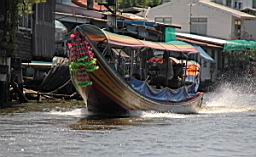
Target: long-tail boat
(115, 74)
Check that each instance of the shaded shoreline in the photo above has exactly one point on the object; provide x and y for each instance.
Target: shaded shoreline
(43, 106)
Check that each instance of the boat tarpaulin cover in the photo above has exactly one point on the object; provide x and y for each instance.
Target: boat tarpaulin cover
(240, 45)
(163, 95)
(203, 54)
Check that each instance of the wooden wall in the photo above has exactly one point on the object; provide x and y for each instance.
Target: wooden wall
(23, 46)
(43, 31)
(2, 18)
(2, 24)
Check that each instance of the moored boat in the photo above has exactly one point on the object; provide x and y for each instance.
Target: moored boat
(124, 80)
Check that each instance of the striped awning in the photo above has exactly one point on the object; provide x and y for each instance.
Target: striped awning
(160, 46)
(183, 46)
(122, 40)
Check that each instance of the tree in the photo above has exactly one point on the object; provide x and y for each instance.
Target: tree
(138, 3)
(153, 3)
(25, 6)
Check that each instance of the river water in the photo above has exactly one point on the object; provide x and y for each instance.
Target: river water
(226, 126)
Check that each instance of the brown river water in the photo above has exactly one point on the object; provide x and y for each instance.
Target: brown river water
(225, 127)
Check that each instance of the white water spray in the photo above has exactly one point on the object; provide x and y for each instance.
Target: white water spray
(153, 114)
(230, 98)
(73, 113)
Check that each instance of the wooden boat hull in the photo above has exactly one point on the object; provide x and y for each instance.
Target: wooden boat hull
(109, 94)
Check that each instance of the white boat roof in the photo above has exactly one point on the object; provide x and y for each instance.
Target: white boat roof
(38, 65)
(202, 38)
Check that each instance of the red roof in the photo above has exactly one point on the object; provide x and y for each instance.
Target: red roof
(83, 3)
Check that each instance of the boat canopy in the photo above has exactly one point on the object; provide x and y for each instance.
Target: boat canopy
(100, 35)
(122, 40)
(240, 45)
(183, 46)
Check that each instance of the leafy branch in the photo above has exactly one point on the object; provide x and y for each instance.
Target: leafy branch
(138, 3)
(25, 6)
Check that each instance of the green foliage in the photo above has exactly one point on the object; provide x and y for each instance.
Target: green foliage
(25, 6)
(8, 38)
(138, 3)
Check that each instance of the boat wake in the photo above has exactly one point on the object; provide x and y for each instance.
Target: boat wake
(74, 113)
(229, 98)
(81, 113)
(153, 114)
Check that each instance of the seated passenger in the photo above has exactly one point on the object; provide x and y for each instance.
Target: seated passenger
(166, 69)
(136, 76)
(192, 72)
(158, 82)
(177, 79)
(161, 71)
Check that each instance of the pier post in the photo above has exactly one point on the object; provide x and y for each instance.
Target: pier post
(5, 63)
(17, 80)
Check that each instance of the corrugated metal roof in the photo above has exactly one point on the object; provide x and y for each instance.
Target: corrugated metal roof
(202, 38)
(76, 16)
(201, 43)
(234, 12)
(127, 16)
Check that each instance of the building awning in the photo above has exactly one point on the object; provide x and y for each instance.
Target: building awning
(240, 45)
(204, 39)
(203, 54)
(201, 43)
